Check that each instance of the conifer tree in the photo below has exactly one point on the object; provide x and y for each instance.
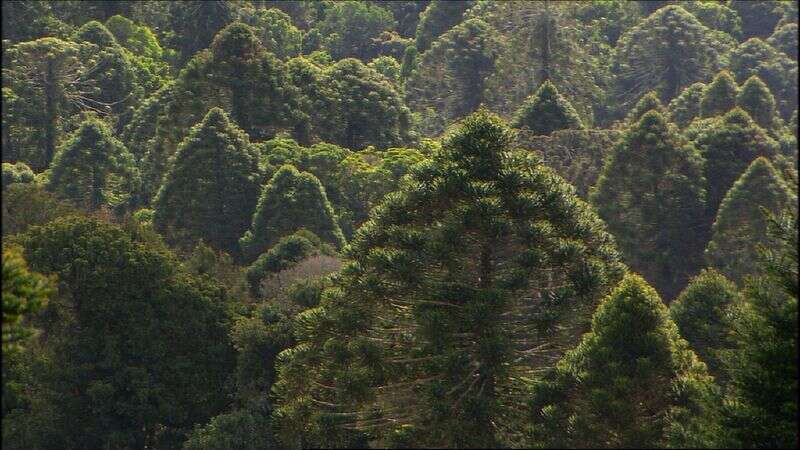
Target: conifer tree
(648, 102)
(785, 39)
(650, 192)
(741, 225)
(633, 382)
(702, 313)
(290, 201)
(547, 111)
(756, 99)
(211, 187)
(728, 147)
(777, 70)
(719, 96)
(289, 251)
(96, 33)
(686, 107)
(437, 19)
(450, 291)
(93, 169)
(762, 405)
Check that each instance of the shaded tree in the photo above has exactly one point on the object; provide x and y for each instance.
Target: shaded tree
(651, 194)
(756, 99)
(719, 96)
(211, 187)
(645, 104)
(437, 19)
(547, 111)
(686, 107)
(778, 71)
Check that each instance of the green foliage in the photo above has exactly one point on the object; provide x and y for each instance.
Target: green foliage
(96, 33)
(762, 405)
(93, 169)
(28, 204)
(241, 429)
(651, 193)
(547, 111)
(719, 96)
(633, 382)
(778, 71)
(647, 103)
(693, 53)
(417, 333)
(686, 107)
(135, 351)
(276, 32)
(16, 173)
(741, 224)
(702, 313)
(729, 146)
(437, 19)
(716, 15)
(386, 66)
(195, 23)
(758, 18)
(27, 21)
(350, 29)
(290, 201)
(211, 187)
(756, 99)
(24, 292)
(785, 39)
(287, 252)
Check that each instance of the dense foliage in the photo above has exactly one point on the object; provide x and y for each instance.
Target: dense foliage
(394, 224)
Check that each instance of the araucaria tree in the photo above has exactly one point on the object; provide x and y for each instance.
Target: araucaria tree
(290, 201)
(719, 96)
(728, 147)
(453, 295)
(741, 225)
(211, 187)
(94, 169)
(757, 100)
(633, 382)
(702, 313)
(547, 111)
(651, 194)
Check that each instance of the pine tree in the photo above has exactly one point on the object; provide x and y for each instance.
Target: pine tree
(762, 404)
(756, 99)
(633, 382)
(211, 187)
(451, 287)
(741, 225)
(702, 313)
(777, 70)
(719, 96)
(94, 169)
(648, 102)
(728, 147)
(547, 111)
(290, 201)
(650, 192)
(686, 107)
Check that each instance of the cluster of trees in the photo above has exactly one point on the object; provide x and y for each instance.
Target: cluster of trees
(287, 224)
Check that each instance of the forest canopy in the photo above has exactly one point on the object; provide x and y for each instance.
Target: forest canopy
(256, 224)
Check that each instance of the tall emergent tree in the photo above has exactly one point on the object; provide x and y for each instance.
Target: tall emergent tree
(645, 104)
(728, 147)
(651, 194)
(134, 352)
(211, 187)
(702, 314)
(666, 52)
(757, 100)
(686, 107)
(633, 382)
(452, 296)
(94, 169)
(290, 201)
(719, 96)
(762, 408)
(741, 224)
(547, 111)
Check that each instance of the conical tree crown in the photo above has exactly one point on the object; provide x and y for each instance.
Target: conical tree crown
(649, 176)
(93, 168)
(211, 186)
(686, 107)
(547, 111)
(701, 313)
(236, 41)
(741, 224)
(756, 98)
(435, 296)
(290, 201)
(648, 102)
(96, 33)
(719, 96)
(630, 383)
(728, 148)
